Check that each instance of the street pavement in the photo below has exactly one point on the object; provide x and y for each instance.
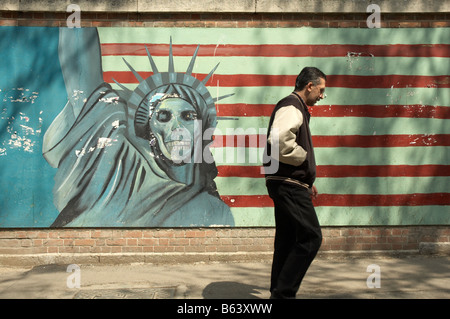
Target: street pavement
(364, 277)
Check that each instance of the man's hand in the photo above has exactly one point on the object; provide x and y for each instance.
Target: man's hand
(314, 192)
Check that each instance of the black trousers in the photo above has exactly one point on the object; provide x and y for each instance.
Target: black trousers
(297, 237)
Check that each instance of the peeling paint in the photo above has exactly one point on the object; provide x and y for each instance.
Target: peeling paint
(22, 135)
(427, 140)
(102, 142)
(77, 94)
(360, 61)
(110, 100)
(443, 82)
(20, 95)
(22, 142)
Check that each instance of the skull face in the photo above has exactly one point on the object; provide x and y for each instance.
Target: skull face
(172, 124)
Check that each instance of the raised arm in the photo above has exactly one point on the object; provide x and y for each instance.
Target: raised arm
(80, 60)
(81, 64)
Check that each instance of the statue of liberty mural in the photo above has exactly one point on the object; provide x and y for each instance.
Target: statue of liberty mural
(126, 158)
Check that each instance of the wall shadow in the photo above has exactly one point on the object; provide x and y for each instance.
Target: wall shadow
(231, 290)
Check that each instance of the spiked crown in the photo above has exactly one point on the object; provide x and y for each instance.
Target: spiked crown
(139, 100)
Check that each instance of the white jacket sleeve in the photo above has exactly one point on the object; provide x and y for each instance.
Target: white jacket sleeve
(285, 126)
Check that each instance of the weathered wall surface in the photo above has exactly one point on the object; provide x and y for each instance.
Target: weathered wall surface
(240, 6)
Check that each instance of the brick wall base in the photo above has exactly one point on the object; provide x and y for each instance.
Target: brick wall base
(19, 247)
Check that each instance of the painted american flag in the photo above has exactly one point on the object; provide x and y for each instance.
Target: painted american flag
(381, 136)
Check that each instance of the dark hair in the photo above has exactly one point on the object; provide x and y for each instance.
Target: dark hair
(308, 74)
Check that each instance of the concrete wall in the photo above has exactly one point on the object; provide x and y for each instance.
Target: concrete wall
(236, 6)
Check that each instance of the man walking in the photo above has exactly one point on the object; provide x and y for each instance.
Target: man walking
(298, 236)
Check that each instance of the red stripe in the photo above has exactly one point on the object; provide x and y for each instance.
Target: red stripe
(347, 200)
(280, 50)
(248, 200)
(337, 171)
(259, 140)
(241, 109)
(251, 140)
(239, 171)
(379, 111)
(346, 81)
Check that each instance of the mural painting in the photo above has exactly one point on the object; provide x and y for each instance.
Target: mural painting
(126, 158)
(165, 127)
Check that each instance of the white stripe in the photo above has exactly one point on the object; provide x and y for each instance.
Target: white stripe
(351, 216)
(437, 155)
(221, 36)
(334, 126)
(345, 185)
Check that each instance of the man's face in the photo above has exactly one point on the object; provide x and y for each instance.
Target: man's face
(315, 92)
(173, 126)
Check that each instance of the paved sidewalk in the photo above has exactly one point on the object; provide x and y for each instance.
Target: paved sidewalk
(413, 277)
